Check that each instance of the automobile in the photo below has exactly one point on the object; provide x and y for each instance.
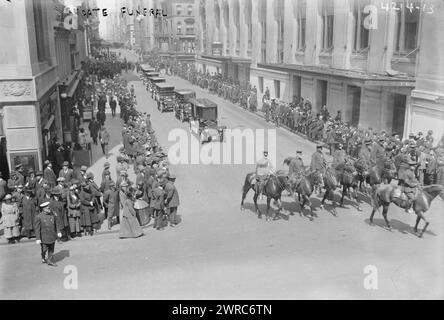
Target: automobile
(152, 83)
(164, 95)
(181, 107)
(146, 68)
(203, 121)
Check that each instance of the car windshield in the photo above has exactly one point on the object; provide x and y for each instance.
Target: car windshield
(207, 113)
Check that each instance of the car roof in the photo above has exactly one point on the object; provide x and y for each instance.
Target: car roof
(184, 91)
(157, 78)
(207, 103)
(164, 85)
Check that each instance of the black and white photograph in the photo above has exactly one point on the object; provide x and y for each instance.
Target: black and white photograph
(191, 150)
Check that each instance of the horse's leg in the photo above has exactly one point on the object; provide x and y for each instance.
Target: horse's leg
(267, 218)
(354, 196)
(421, 214)
(255, 205)
(384, 214)
(323, 198)
(279, 209)
(344, 188)
(418, 218)
(244, 194)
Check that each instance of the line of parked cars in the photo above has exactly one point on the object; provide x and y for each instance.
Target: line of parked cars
(201, 114)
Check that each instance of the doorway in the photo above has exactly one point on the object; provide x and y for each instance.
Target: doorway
(399, 106)
(4, 168)
(297, 87)
(354, 101)
(321, 93)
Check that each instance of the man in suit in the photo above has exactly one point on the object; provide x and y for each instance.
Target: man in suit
(171, 200)
(49, 175)
(66, 172)
(47, 231)
(158, 205)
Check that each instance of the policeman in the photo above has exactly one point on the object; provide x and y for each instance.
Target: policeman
(47, 231)
(318, 162)
(264, 168)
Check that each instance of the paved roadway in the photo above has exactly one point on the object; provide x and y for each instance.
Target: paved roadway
(219, 252)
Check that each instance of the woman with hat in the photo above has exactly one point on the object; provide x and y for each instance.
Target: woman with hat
(129, 226)
(73, 205)
(29, 207)
(86, 209)
(57, 206)
(10, 219)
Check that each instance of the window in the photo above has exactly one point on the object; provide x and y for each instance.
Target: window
(190, 10)
(263, 22)
(261, 84)
(179, 9)
(190, 29)
(302, 12)
(277, 89)
(248, 7)
(280, 23)
(39, 25)
(327, 15)
(407, 23)
(361, 34)
(179, 28)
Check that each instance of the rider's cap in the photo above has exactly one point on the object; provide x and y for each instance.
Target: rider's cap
(299, 151)
(319, 146)
(265, 152)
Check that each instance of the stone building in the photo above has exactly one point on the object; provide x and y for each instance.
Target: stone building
(358, 56)
(39, 72)
(29, 95)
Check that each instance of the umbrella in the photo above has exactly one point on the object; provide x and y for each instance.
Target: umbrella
(140, 204)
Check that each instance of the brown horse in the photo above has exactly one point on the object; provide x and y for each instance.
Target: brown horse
(272, 190)
(304, 186)
(330, 185)
(348, 176)
(387, 193)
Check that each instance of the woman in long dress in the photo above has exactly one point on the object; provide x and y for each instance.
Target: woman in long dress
(10, 219)
(129, 226)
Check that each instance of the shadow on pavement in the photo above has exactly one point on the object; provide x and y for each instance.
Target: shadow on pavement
(398, 226)
(59, 256)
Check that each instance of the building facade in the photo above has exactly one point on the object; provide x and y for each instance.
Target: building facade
(29, 97)
(357, 56)
(39, 72)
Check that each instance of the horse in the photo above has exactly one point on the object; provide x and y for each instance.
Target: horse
(330, 185)
(273, 188)
(304, 186)
(387, 193)
(347, 175)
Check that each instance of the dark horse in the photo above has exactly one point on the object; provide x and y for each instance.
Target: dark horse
(330, 185)
(348, 176)
(387, 193)
(273, 188)
(304, 186)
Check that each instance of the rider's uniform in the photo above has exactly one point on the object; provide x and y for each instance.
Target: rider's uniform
(263, 169)
(338, 157)
(410, 184)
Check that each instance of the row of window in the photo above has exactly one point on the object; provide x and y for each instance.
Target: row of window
(189, 28)
(406, 32)
(189, 10)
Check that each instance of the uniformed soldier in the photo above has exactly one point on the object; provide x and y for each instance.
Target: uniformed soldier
(47, 231)
(365, 152)
(339, 156)
(264, 168)
(410, 185)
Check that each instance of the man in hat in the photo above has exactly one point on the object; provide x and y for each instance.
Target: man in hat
(296, 165)
(58, 208)
(318, 162)
(123, 178)
(339, 156)
(410, 184)
(81, 175)
(31, 180)
(106, 167)
(264, 168)
(365, 152)
(111, 204)
(171, 200)
(158, 205)
(47, 231)
(49, 175)
(40, 181)
(29, 205)
(378, 153)
(66, 172)
(20, 176)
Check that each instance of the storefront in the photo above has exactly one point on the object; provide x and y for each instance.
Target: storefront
(70, 94)
(50, 126)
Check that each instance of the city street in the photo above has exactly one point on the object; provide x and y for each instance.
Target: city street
(220, 252)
